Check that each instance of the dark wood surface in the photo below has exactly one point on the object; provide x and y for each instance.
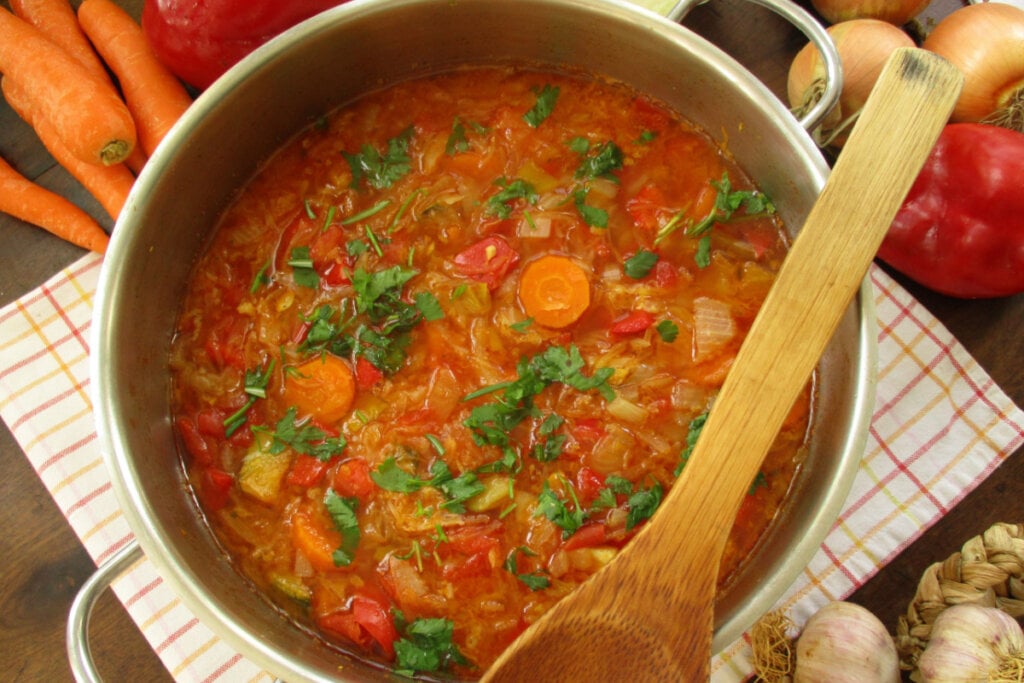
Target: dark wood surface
(44, 564)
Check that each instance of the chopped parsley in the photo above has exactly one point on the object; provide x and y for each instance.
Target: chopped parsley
(458, 142)
(642, 504)
(381, 170)
(542, 108)
(492, 423)
(667, 330)
(302, 268)
(303, 437)
(343, 513)
(639, 265)
(500, 204)
(695, 427)
(599, 162)
(568, 518)
(456, 490)
(261, 278)
(425, 645)
(593, 216)
(727, 203)
(535, 581)
(255, 387)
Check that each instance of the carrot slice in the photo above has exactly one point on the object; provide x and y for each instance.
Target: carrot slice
(314, 540)
(554, 290)
(110, 185)
(87, 113)
(324, 388)
(57, 21)
(23, 199)
(154, 96)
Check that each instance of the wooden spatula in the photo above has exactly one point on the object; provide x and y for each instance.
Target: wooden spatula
(648, 615)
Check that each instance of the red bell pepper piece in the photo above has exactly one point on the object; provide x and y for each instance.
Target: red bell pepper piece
(960, 230)
(367, 374)
(214, 488)
(369, 621)
(634, 322)
(352, 479)
(306, 470)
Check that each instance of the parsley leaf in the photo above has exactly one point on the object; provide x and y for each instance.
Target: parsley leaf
(593, 216)
(456, 490)
(542, 108)
(343, 514)
(255, 386)
(381, 170)
(555, 509)
(500, 204)
(302, 268)
(600, 162)
(639, 265)
(667, 330)
(642, 504)
(535, 581)
(427, 645)
(695, 427)
(303, 438)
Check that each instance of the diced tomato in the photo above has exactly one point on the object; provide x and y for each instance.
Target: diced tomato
(588, 485)
(760, 239)
(214, 488)
(224, 343)
(487, 261)
(367, 374)
(587, 430)
(472, 538)
(587, 536)
(352, 479)
(335, 274)
(369, 621)
(634, 322)
(211, 422)
(306, 470)
(475, 566)
(646, 207)
(195, 443)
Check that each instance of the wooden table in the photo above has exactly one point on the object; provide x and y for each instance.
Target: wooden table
(44, 564)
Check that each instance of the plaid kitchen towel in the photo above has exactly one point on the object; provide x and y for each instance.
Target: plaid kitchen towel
(940, 426)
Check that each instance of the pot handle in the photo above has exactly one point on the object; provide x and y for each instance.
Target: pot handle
(77, 635)
(810, 27)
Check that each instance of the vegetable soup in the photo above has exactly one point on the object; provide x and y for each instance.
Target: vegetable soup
(450, 347)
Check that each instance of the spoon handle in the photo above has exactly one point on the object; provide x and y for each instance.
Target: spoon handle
(648, 615)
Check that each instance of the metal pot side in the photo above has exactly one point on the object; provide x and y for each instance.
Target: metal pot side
(322, 64)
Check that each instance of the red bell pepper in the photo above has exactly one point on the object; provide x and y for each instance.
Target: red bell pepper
(199, 41)
(960, 231)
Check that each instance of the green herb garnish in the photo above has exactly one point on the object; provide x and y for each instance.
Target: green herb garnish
(381, 170)
(639, 265)
(542, 108)
(500, 204)
(343, 513)
(302, 268)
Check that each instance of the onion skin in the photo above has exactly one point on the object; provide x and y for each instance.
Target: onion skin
(863, 45)
(986, 42)
(896, 12)
(845, 643)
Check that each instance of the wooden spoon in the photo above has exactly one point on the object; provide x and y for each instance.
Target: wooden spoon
(649, 615)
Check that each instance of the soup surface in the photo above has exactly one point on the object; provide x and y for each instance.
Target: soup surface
(450, 347)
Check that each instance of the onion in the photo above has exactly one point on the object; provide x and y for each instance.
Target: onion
(986, 42)
(892, 11)
(863, 45)
(713, 327)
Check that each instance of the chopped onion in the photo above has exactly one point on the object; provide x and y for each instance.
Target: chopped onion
(863, 45)
(986, 42)
(534, 225)
(627, 411)
(713, 327)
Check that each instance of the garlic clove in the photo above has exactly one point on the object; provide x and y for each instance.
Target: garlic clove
(969, 643)
(845, 643)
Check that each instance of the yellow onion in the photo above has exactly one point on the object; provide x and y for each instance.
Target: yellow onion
(986, 42)
(892, 11)
(863, 46)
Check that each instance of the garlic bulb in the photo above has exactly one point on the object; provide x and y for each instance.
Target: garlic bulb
(972, 643)
(845, 643)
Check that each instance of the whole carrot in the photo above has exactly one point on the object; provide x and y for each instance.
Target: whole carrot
(156, 98)
(88, 115)
(110, 185)
(23, 199)
(57, 21)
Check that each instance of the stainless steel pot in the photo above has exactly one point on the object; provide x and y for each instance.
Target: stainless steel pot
(327, 62)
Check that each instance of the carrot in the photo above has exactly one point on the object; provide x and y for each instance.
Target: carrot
(324, 387)
(110, 185)
(154, 96)
(88, 115)
(57, 21)
(314, 540)
(23, 199)
(554, 290)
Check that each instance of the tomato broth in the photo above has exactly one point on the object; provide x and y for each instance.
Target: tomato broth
(450, 347)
